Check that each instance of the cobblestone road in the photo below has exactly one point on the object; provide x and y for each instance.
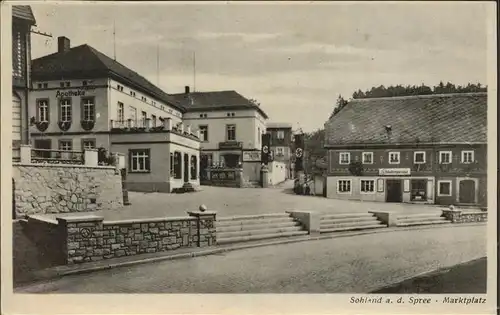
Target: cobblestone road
(356, 264)
(243, 201)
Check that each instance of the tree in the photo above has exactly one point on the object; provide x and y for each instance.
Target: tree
(341, 103)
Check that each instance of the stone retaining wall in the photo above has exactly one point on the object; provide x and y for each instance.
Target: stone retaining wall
(461, 216)
(57, 188)
(89, 238)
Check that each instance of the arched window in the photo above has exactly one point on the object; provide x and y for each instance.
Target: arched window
(177, 165)
(194, 167)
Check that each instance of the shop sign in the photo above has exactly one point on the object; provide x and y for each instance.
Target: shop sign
(254, 156)
(394, 171)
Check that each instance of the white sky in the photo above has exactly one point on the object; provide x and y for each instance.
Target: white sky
(293, 58)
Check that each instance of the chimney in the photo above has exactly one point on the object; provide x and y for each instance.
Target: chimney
(63, 44)
(186, 89)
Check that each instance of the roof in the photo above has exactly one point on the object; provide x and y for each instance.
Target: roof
(23, 12)
(448, 118)
(217, 100)
(278, 125)
(85, 61)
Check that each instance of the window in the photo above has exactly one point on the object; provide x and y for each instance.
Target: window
(65, 145)
(144, 117)
(419, 157)
(139, 160)
(444, 188)
(65, 110)
(61, 84)
(231, 132)
(445, 157)
(177, 165)
(394, 157)
(153, 120)
(194, 167)
(88, 108)
(172, 165)
(133, 113)
(418, 189)
(228, 114)
(119, 87)
(280, 151)
(232, 114)
(45, 85)
(344, 186)
(367, 157)
(88, 144)
(344, 158)
(143, 98)
(43, 110)
(39, 85)
(68, 84)
(84, 83)
(280, 135)
(367, 186)
(467, 157)
(121, 113)
(204, 133)
(17, 54)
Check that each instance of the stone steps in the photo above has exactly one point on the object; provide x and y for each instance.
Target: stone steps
(349, 222)
(257, 227)
(420, 219)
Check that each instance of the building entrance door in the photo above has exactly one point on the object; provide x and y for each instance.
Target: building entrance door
(186, 168)
(467, 191)
(394, 191)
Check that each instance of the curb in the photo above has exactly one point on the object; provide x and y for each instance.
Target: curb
(49, 274)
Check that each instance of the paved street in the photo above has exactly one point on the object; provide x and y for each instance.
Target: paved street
(243, 201)
(356, 264)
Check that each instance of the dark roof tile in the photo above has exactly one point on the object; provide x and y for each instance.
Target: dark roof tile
(85, 61)
(452, 118)
(23, 12)
(218, 100)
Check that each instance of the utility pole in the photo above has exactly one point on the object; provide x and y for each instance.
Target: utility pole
(194, 71)
(114, 40)
(158, 65)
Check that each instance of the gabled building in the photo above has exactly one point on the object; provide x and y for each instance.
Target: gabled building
(282, 144)
(22, 22)
(82, 99)
(419, 149)
(231, 127)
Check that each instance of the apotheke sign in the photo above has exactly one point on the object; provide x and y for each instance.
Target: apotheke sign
(394, 171)
(79, 92)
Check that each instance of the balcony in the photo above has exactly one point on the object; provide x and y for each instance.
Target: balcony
(231, 145)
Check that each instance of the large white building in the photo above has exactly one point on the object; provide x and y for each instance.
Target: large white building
(231, 129)
(82, 99)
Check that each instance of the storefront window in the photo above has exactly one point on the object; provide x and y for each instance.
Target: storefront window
(418, 189)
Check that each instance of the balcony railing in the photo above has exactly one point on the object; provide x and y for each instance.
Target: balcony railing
(57, 156)
(231, 145)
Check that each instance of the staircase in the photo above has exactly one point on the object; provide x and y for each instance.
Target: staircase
(421, 219)
(257, 227)
(186, 188)
(349, 222)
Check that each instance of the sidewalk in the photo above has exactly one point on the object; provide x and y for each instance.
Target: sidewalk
(65, 270)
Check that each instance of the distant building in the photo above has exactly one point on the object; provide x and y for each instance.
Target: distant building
(22, 22)
(419, 149)
(282, 144)
(82, 99)
(231, 128)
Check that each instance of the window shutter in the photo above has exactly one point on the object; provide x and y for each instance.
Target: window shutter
(148, 160)
(130, 160)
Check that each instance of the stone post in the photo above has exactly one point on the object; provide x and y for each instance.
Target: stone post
(81, 238)
(25, 151)
(453, 215)
(264, 176)
(167, 124)
(309, 219)
(91, 157)
(205, 226)
(388, 218)
(181, 128)
(239, 178)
